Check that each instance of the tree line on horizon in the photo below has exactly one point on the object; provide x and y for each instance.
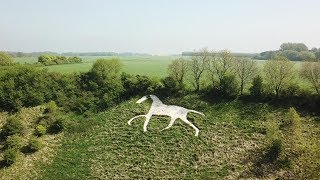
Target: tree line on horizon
(37, 54)
(293, 52)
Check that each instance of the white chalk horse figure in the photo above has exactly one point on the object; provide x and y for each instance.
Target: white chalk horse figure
(158, 108)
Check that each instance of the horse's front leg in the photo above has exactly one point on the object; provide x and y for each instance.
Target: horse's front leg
(148, 116)
(129, 122)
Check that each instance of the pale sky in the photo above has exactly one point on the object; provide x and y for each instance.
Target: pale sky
(157, 26)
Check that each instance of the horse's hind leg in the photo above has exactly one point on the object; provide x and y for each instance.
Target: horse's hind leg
(148, 116)
(170, 124)
(129, 122)
(184, 119)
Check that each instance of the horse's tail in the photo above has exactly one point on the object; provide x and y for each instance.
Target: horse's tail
(196, 112)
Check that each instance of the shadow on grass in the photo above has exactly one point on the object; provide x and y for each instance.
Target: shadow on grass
(264, 161)
(3, 164)
(27, 150)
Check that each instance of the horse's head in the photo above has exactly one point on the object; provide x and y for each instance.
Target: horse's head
(153, 97)
(143, 99)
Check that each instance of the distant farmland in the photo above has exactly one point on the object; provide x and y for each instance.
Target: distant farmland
(144, 65)
(155, 66)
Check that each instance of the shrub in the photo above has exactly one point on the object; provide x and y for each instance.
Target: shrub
(51, 107)
(103, 82)
(275, 149)
(14, 142)
(5, 59)
(293, 90)
(51, 60)
(88, 114)
(274, 139)
(10, 156)
(292, 124)
(138, 85)
(35, 144)
(13, 126)
(24, 86)
(54, 123)
(228, 86)
(170, 85)
(256, 90)
(85, 102)
(272, 130)
(40, 130)
(292, 119)
(57, 126)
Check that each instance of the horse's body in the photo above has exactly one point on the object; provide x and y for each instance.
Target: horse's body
(158, 108)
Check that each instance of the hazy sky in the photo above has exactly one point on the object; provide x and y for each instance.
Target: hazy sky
(157, 26)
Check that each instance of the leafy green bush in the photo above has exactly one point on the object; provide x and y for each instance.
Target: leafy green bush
(51, 60)
(10, 156)
(57, 126)
(228, 86)
(275, 149)
(14, 142)
(256, 90)
(293, 90)
(40, 130)
(35, 144)
(170, 85)
(292, 128)
(292, 119)
(5, 59)
(24, 86)
(54, 123)
(51, 107)
(138, 85)
(103, 82)
(13, 126)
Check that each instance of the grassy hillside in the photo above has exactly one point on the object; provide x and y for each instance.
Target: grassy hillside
(231, 140)
(114, 149)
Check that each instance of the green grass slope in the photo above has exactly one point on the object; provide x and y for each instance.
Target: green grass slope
(231, 145)
(113, 149)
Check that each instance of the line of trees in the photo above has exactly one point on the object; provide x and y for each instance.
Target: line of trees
(230, 76)
(221, 69)
(37, 54)
(53, 60)
(293, 52)
(214, 73)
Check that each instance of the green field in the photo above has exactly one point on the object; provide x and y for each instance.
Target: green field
(144, 65)
(155, 66)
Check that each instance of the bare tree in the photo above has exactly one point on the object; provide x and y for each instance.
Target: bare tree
(278, 72)
(197, 66)
(246, 69)
(220, 64)
(178, 69)
(311, 72)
